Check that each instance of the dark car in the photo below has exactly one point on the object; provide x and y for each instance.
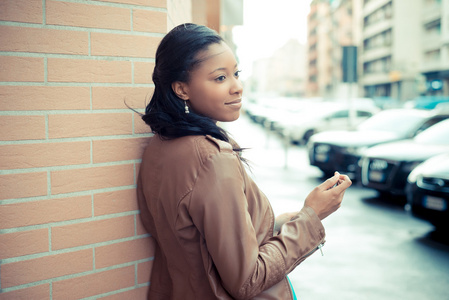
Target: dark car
(341, 150)
(427, 191)
(385, 167)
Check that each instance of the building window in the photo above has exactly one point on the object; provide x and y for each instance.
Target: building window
(383, 13)
(382, 65)
(432, 56)
(382, 39)
(433, 29)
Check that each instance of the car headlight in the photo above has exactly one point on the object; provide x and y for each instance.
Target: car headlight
(415, 174)
(413, 177)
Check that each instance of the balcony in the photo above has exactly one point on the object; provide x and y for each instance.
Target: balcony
(376, 53)
(431, 66)
(377, 28)
(431, 42)
(371, 6)
(431, 13)
(375, 78)
(313, 71)
(313, 55)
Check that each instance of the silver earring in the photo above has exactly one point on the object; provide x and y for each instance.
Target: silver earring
(186, 107)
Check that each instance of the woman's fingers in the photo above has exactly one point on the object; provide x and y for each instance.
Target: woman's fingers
(330, 182)
(343, 183)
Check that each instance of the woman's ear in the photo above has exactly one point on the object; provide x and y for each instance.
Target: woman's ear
(180, 89)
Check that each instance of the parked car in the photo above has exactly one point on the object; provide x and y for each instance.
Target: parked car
(268, 110)
(320, 117)
(386, 167)
(427, 191)
(341, 150)
(256, 112)
(286, 110)
(427, 102)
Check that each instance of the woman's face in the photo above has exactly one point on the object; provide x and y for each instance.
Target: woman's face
(214, 89)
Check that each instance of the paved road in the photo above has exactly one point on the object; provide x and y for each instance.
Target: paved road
(373, 250)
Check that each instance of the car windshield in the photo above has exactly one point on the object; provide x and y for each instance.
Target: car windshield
(392, 121)
(437, 134)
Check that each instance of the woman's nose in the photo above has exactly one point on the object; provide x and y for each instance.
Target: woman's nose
(237, 87)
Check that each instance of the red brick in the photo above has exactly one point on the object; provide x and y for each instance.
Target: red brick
(44, 155)
(144, 271)
(41, 40)
(12, 185)
(67, 181)
(115, 202)
(87, 15)
(149, 21)
(88, 70)
(23, 243)
(14, 128)
(115, 97)
(41, 292)
(129, 149)
(94, 284)
(143, 72)
(15, 68)
(32, 270)
(91, 232)
(110, 44)
(28, 11)
(81, 125)
(135, 294)
(124, 252)
(44, 97)
(45, 211)
(154, 3)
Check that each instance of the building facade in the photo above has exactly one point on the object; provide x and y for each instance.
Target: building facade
(391, 52)
(403, 47)
(332, 24)
(434, 66)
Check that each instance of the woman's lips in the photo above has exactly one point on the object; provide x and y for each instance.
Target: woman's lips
(235, 102)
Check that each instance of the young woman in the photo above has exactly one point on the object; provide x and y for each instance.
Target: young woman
(215, 232)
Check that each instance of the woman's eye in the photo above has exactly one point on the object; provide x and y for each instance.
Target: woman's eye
(220, 78)
(237, 74)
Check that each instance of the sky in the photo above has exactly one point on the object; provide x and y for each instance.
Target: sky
(267, 26)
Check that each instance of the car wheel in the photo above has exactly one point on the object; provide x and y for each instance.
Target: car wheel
(392, 198)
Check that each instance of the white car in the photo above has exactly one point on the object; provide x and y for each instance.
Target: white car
(322, 117)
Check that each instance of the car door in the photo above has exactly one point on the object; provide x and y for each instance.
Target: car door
(338, 120)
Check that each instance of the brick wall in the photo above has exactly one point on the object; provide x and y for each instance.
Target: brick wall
(70, 149)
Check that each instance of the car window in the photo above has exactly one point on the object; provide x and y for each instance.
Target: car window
(432, 121)
(340, 114)
(362, 113)
(436, 134)
(397, 122)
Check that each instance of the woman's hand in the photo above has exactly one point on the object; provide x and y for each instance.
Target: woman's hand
(327, 197)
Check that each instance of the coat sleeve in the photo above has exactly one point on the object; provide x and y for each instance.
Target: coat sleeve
(219, 209)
